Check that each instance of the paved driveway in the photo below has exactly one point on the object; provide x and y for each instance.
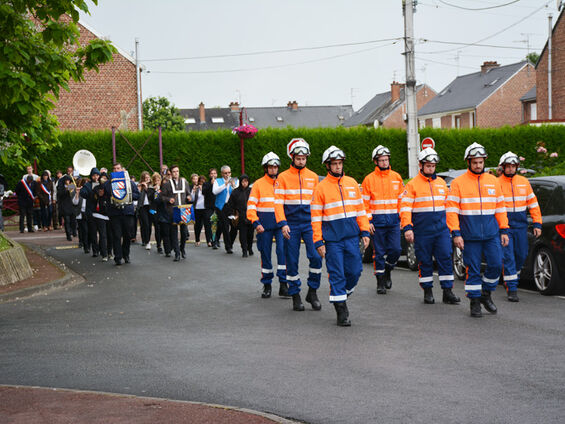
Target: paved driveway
(198, 330)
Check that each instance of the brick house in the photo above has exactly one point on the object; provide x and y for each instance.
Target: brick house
(557, 76)
(291, 115)
(388, 109)
(487, 99)
(104, 99)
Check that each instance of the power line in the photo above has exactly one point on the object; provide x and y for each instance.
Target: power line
(479, 8)
(273, 66)
(476, 43)
(273, 51)
(426, 40)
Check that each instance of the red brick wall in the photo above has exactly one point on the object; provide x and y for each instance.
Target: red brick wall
(396, 120)
(446, 121)
(97, 102)
(557, 76)
(465, 121)
(504, 107)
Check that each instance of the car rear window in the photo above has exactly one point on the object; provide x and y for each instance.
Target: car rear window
(550, 197)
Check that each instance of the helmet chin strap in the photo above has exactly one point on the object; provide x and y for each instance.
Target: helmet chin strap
(508, 175)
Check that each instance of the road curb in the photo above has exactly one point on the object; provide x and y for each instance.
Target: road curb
(70, 279)
(272, 417)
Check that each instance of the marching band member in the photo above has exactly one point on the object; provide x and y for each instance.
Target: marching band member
(122, 192)
(45, 193)
(176, 192)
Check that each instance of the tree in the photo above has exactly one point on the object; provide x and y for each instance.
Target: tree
(160, 112)
(533, 57)
(40, 54)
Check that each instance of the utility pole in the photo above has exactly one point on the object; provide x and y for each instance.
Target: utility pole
(138, 86)
(549, 100)
(412, 136)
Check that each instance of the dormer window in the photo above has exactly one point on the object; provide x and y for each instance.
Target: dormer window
(190, 121)
(217, 120)
(280, 119)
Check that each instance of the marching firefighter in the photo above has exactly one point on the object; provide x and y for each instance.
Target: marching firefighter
(519, 198)
(261, 213)
(422, 216)
(293, 195)
(477, 219)
(382, 190)
(338, 219)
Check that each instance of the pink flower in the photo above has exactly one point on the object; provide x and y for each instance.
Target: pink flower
(553, 155)
(523, 171)
(541, 149)
(522, 158)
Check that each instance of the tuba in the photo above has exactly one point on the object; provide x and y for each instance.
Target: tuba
(83, 162)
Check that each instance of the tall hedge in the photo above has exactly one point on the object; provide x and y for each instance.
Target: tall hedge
(198, 151)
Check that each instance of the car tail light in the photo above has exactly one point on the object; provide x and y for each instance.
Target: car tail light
(560, 228)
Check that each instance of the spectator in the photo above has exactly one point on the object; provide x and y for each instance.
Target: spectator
(44, 191)
(238, 205)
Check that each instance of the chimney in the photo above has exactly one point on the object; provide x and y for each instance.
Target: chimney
(234, 106)
(293, 105)
(395, 91)
(202, 111)
(488, 65)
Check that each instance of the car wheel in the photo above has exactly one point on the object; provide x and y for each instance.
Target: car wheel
(459, 269)
(546, 275)
(411, 257)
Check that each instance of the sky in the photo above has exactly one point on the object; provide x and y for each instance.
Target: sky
(317, 52)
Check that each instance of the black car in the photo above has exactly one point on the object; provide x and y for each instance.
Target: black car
(407, 250)
(545, 263)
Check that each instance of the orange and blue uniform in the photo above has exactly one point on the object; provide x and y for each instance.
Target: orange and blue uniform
(381, 194)
(476, 212)
(293, 195)
(338, 218)
(422, 210)
(261, 211)
(519, 199)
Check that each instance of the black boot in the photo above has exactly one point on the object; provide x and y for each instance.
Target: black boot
(312, 299)
(177, 257)
(297, 302)
(513, 296)
(449, 297)
(183, 253)
(487, 302)
(283, 290)
(388, 281)
(476, 308)
(429, 296)
(381, 289)
(342, 314)
(266, 291)
(244, 254)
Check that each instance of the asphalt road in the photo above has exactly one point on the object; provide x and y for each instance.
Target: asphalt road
(198, 330)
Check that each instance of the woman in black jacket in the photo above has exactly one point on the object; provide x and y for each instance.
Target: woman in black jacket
(238, 203)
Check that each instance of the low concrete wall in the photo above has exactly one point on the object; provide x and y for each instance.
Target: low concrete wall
(13, 264)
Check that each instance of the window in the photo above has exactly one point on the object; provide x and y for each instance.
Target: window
(251, 119)
(190, 121)
(217, 120)
(533, 111)
(436, 123)
(280, 119)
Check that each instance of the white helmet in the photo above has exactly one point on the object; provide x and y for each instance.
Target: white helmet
(332, 152)
(475, 150)
(271, 158)
(509, 157)
(380, 151)
(297, 146)
(428, 155)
